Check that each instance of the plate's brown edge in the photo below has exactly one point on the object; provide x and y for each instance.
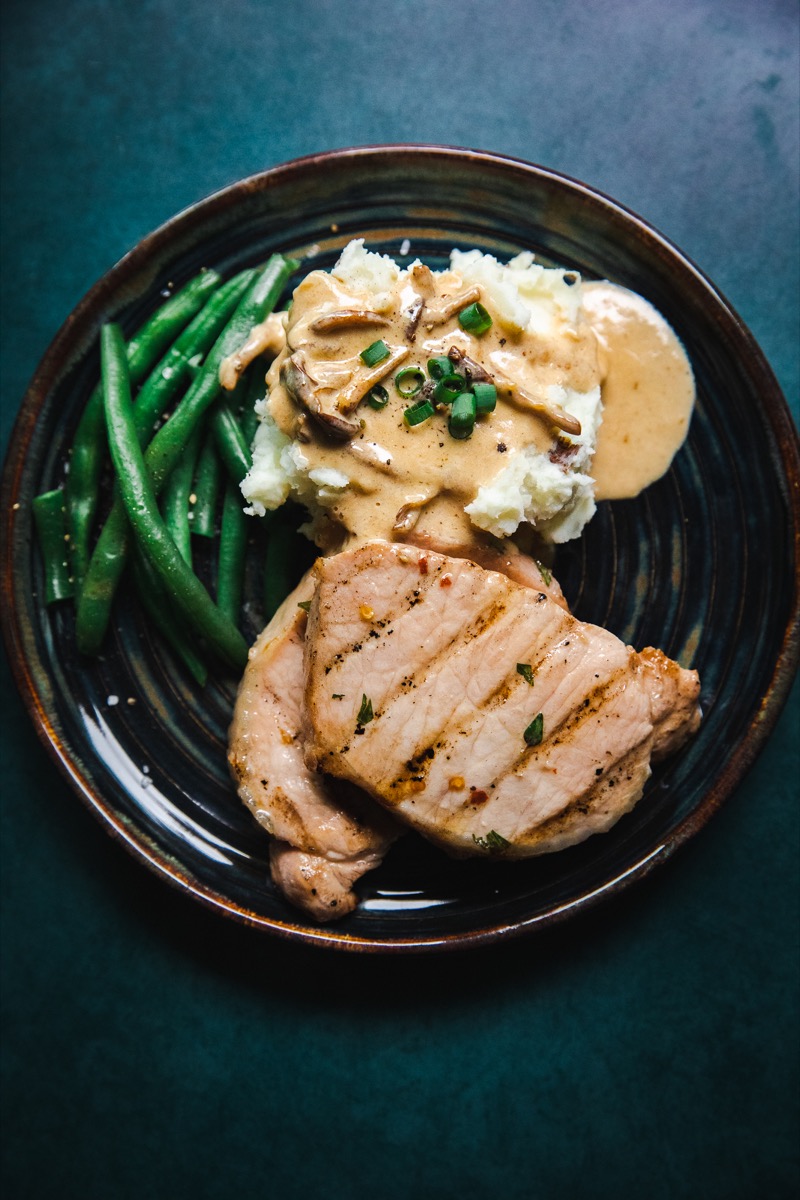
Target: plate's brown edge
(85, 318)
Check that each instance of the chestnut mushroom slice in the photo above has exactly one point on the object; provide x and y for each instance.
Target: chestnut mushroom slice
(346, 318)
(300, 387)
(269, 337)
(373, 453)
(408, 514)
(439, 313)
(355, 391)
(553, 413)
(413, 315)
(473, 371)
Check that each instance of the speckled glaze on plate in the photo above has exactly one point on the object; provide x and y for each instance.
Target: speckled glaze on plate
(703, 564)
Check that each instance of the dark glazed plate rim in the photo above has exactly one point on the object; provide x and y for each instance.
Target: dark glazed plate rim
(124, 283)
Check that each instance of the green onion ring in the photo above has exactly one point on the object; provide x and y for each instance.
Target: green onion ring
(374, 354)
(414, 374)
(418, 413)
(378, 397)
(475, 319)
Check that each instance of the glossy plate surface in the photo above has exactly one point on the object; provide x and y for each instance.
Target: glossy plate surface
(702, 565)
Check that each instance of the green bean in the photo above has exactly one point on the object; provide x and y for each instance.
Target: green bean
(232, 548)
(260, 298)
(165, 449)
(89, 444)
(206, 487)
(256, 390)
(156, 603)
(49, 514)
(161, 387)
(288, 557)
(175, 504)
(230, 442)
(139, 498)
(178, 366)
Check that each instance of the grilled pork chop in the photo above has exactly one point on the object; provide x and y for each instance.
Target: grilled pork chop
(477, 710)
(327, 835)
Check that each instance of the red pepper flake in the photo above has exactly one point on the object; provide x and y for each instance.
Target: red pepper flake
(446, 580)
(423, 566)
(478, 796)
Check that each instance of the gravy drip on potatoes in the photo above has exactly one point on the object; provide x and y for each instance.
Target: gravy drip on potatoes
(418, 474)
(648, 391)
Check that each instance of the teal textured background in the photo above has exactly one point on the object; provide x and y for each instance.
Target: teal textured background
(151, 1049)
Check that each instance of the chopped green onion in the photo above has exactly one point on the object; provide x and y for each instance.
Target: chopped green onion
(485, 397)
(365, 713)
(439, 367)
(418, 412)
(462, 416)
(378, 397)
(475, 319)
(493, 841)
(533, 734)
(547, 578)
(448, 388)
(409, 381)
(526, 671)
(374, 354)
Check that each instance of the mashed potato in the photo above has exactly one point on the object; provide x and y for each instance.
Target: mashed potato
(364, 470)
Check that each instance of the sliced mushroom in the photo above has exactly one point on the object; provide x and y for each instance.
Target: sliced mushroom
(472, 369)
(438, 314)
(355, 391)
(413, 314)
(295, 379)
(408, 514)
(345, 318)
(373, 453)
(554, 413)
(423, 278)
(269, 337)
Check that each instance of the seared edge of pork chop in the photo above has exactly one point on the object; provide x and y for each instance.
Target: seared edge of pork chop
(430, 646)
(327, 833)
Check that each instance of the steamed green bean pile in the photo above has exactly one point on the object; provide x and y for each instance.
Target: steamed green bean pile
(179, 450)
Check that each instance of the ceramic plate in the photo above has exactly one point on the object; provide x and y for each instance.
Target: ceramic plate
(701, 565)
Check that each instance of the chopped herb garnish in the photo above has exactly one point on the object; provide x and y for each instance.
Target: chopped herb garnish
(526, 671)
(545, 574)
(493, 841)
(485, 397)
(447, 388)
(418, 413)
(439, 367)
(374, 354)
(475, 319)
(337, 695)
(365, 713)
(462, 416)
(533, 734)
(378, 397)
(409, 381)
(304, 604)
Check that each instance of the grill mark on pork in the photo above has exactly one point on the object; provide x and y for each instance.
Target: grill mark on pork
(559, 734)
(507, 684)
(565, 731)
(589, 804)
(481, 625)
(447, 755)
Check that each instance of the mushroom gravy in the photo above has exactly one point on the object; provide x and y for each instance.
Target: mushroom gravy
(376, 475)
